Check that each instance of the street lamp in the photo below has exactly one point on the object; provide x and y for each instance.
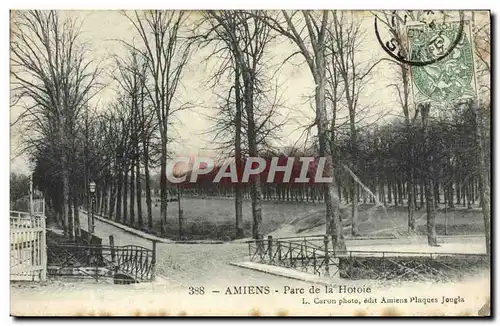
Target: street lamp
(92, 187)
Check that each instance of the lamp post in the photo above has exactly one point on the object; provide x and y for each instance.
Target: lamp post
(31, 194)
(91, 220)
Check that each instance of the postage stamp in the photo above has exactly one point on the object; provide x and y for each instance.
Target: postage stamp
(250, 163)
(451, 78)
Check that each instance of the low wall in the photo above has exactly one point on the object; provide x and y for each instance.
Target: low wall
(439, 267)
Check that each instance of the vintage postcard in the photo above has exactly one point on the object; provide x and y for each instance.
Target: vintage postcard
(250, 163)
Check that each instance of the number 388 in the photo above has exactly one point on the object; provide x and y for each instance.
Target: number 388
(193, 290)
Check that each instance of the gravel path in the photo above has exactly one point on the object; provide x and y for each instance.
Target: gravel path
(184, 265)
(181, 266)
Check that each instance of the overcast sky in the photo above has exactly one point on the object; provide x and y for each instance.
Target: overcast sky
(101, 29)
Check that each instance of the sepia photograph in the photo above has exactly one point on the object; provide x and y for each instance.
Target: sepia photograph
(250, 163)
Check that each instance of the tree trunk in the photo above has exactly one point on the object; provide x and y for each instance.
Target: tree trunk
(105, 205)
(428, 187)
(464, 195)
(147, 186)
(112, 200)
(473, 191)
(483, 173)
(354, 149)
(436, 194)
(333, 223)
(255, 189)
(238, 197)
(65, 199)
(125, 218)
(339, 192)
(119, 197)
(100, 202)
(409, 137)
(64, 179)
(163, 187)
(400, 192)
(71, 221)
(384, 197)
(132, 193)
(138, 186)
(415, 204)
(430, 210)
(354, 209)
(421, 192)
(394, 189)
(76, 214)
(411, 201)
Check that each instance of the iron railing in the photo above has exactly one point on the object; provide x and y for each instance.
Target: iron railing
(101, 261)
(313, 256)
(304, 255)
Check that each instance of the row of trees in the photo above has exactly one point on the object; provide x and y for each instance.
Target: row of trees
(71, 143)
(19, 192)
(246, 36)
(383, 153)
(53, 77)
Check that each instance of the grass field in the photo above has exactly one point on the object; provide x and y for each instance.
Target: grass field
(213, 218)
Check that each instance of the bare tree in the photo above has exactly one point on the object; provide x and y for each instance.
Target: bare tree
(428, 174)
(482, 46)
(247, 37)
(166, 55)
(394, 21)
(346, 36)
(227, 124)
(309, 34)
(51, 71)
(131, 76)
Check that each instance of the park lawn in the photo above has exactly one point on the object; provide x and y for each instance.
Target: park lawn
(213, 218)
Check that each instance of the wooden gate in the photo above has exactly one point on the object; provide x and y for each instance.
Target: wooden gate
(28, 250)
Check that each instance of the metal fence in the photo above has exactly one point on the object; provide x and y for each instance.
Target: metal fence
(303, 255)
(317, 257)
(97, 261)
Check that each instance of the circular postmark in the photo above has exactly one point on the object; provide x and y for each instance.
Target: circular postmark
(441, 46)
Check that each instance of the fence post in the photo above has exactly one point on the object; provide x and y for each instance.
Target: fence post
(314, 260)
(153, 262)
(327, 257)
(261, 249)
(112, 245)
(33, 254)
(89, 227)
(136, 254)
(279, 252)
(31, 194)
(43, 273)
(290, 253)
(302, 255)
(250, 251)
(270, 247)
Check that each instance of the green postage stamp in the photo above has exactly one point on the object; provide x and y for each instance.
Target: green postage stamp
(450, 79)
